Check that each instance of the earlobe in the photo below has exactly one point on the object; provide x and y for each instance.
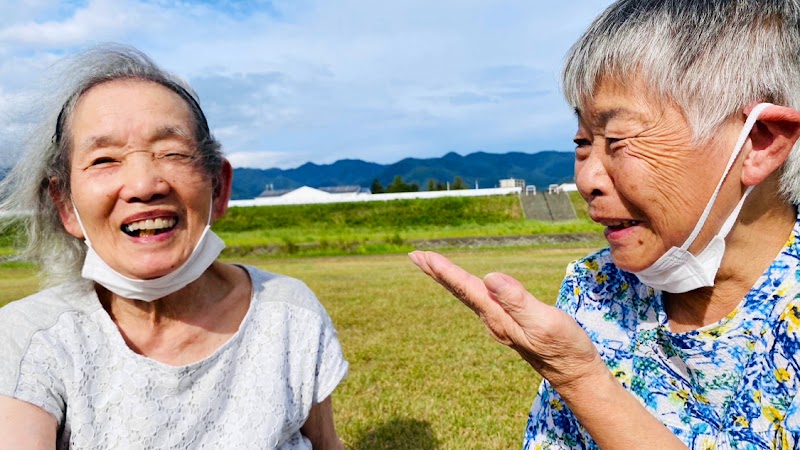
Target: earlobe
(65, 211)
(223, 190)
(772, 139)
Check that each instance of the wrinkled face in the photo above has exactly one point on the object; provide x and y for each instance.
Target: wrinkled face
(644, 178)
(143, 198)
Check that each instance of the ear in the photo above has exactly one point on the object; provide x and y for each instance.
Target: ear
(772, 138)
(65, 210)
(223, 191)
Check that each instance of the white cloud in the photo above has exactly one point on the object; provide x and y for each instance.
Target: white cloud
(99, 20)
(263, 159)
(329, 79)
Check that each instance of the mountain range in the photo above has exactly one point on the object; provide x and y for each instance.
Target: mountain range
(486, 169)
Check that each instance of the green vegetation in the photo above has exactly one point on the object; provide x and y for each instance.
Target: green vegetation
(581, 208)
(379, 227)
(398, 185)
(363, 228)
(424, 374)
(396, 214)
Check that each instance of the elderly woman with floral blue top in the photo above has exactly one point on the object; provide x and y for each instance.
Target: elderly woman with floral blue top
(685, 331)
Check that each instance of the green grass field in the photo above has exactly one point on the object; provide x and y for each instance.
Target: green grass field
(423, 372)
(382, 227)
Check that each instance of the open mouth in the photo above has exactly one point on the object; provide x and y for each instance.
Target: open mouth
(622, 224)
(149, 227)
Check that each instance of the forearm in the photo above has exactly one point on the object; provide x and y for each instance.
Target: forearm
(319, 427)
(614, 417)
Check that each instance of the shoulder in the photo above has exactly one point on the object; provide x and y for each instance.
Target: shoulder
(31, 327)
(42, 310)
(597, 274)
(271, 289)
(593, 264)
(604, 300)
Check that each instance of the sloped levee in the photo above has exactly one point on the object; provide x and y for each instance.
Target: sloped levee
(555, 207)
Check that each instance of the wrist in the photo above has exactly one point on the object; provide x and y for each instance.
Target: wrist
(592, 380)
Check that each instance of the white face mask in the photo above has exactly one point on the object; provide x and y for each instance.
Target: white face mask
(679, 271)
(204, 254)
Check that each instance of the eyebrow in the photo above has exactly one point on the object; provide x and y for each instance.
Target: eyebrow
(604, 116)
(162, 133)
(169, 132)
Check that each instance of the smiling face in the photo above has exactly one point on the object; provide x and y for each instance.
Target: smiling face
(142, 195)
(643, 176)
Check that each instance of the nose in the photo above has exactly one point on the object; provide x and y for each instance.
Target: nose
(142, 179)
(591, 174)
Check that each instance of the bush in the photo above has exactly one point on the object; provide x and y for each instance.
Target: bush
(395, 214)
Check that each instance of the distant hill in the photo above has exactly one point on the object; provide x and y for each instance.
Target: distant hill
(539, 169)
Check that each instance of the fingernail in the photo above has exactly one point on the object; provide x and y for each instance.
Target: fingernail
(414, 256)
(495, 283)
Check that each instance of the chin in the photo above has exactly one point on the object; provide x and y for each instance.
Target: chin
(630, 262)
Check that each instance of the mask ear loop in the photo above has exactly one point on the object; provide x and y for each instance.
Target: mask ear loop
(80, 223)
(748, 126)
(210, 208)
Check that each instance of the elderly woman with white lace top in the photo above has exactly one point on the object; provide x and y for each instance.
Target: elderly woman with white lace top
(685, 331)
(146, 339)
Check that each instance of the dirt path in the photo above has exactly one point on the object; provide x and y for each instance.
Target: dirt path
(509, 241)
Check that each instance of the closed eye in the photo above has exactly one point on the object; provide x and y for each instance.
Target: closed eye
(583, 148)
(615, 143)
(581, 142)
(102, 160)
(177, 156)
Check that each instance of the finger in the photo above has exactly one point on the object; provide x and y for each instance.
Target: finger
(471, 291)
(512, 295)
(466, 287)
(538, 326)
(417, 257)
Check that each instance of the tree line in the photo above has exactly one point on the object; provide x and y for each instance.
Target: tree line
(399, 185)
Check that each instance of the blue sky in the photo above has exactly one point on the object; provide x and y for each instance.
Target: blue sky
(285, 82)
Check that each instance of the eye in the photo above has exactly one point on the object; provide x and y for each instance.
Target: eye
(582, 142)
(103, 160)
(583, 147)
(614, 143)
(177, 156)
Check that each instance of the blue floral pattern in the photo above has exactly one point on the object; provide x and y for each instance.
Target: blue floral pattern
(731, 384)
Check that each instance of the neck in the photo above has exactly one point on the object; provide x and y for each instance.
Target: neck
(188, 324)
(760, 233)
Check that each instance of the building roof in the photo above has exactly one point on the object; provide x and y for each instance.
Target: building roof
(269, 193)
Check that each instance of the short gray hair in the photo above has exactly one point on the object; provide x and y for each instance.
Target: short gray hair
(24, 193)
(710, 57)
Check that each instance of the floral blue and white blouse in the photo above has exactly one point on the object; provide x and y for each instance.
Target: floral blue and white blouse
(732, 384)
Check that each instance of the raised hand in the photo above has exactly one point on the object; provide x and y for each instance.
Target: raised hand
(558, 348)
(546, 337)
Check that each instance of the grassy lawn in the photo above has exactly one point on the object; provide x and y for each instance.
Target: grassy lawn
(382, 227)
(423, 372)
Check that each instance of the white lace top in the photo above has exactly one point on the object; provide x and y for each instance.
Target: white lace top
(60, 350)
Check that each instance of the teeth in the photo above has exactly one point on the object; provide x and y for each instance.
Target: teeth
(150, 225)
(622, 223)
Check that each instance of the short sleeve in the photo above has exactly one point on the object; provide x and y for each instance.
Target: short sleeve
(310, 331)
(331, 367)
(28, 364)
(39, 382)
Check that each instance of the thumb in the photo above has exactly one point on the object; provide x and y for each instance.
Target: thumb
(511, 295)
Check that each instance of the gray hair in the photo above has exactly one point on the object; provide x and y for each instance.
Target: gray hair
(25, 192)
(710, 57)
